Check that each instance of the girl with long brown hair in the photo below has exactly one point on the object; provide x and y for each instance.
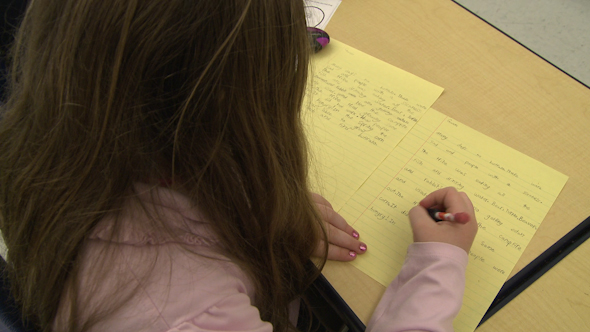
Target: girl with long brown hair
(153, 170)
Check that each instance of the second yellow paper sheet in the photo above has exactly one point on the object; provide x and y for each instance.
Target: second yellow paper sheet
(510, 191)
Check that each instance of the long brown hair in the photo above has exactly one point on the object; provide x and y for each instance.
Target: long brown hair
(104, 94)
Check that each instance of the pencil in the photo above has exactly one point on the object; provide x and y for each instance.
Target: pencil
(437, 215)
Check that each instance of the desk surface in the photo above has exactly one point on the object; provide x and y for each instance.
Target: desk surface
(498, 87)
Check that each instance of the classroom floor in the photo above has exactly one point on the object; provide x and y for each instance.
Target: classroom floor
(556, 30)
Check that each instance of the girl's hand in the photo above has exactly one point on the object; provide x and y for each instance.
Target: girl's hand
(343, 243)
(448, 199)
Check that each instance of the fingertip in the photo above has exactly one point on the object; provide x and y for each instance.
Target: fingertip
(450, 188)
(362, 248)
(462, 217)
(341, 254)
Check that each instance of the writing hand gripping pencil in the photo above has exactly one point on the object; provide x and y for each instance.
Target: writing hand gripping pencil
(456, 205)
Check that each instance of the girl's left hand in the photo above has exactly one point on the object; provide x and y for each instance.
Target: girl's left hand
(343, 243)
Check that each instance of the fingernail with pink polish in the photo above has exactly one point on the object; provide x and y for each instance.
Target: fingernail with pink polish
(352, 254)
(355, 234)
(363, 247)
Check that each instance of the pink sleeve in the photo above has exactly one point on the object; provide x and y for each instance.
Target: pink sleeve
(428, 292)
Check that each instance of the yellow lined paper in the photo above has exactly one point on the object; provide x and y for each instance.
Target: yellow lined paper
(511, 193)
(358, 109)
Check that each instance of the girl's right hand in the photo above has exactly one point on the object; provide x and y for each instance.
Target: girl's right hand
(448, 199)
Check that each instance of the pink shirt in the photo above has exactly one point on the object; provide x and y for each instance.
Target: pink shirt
(187, 292)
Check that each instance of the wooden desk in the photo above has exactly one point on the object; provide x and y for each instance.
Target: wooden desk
(503, 90)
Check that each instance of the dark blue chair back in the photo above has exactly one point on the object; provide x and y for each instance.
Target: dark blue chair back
(10, 314)
(10, 13)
